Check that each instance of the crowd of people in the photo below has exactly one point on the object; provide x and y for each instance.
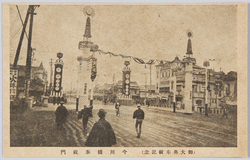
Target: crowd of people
(101, 134)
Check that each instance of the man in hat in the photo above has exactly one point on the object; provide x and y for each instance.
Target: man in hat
(61, 115)
(84, 114)
(102, 134)
(139, 115)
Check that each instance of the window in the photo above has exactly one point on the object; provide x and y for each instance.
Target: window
(228, 90)
(194, 88)
(178, 87)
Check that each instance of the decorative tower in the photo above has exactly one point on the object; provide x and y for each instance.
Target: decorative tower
(126, 80)
(125, 98)
(86, 75)
(57, 91)
(189, 61)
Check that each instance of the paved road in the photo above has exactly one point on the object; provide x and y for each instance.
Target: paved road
(160, 128)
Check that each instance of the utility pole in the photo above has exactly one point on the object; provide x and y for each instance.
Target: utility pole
(209, 89)
(206, 64)
(174, 96)
(150, 80)
(21, 38)
(145, 86)
(51, 75)
(113, 79)
(29, 49)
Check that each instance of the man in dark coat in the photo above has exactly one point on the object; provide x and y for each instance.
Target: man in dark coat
(139, 115)
(117, 108)
(61, 115)
(102, 134)
(84, 114)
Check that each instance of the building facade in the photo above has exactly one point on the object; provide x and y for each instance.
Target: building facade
(184, 82)
(38, 82)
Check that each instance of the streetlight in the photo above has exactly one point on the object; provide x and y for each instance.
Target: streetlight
(174, 90)
(206, 64)
(217, 88)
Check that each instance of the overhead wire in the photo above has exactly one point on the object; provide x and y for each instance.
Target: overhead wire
(16, 29)
(15, 26)
(14, 36)
(22, 21)
(13, 18)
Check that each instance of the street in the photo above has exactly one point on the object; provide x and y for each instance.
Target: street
(161, 128)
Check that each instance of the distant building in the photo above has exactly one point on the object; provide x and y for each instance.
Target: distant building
(134, 88)
(189, 81)
(38, 83)
(230, 88)
(112, 92)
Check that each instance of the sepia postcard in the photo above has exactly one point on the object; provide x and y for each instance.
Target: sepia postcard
(124, 80)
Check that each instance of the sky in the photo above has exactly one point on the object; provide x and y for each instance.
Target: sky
(146, 32)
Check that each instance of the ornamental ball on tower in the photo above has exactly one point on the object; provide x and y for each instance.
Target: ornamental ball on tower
(127, 63)
(89, 11)
(206, 64)
(59, 55)
(189, 33)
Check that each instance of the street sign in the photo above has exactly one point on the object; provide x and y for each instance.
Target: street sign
(13, 82)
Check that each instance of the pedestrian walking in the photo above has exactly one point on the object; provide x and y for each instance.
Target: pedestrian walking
(147, 103)
(85, 113)
(139, 115)
(117, 108)
(224, 109)
(102, 134)
(61, 115)
(54, 100)
(91, 110)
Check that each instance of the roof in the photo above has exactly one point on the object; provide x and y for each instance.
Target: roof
(133, 84)
(142, 87)
(104, 86)
(198, 67)
(23, 67)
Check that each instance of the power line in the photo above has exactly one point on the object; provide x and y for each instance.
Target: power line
(21, 21)
(15, 34)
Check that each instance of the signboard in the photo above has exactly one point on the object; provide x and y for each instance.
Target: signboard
(13, 82)
(126, 83)
(94, 69)
(58, 78)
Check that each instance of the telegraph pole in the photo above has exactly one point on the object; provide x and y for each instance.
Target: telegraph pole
(206, 64)
(29, 49)
(51, 75)
(21, 38)
(150, 81)
(145, 87)
(174, 96)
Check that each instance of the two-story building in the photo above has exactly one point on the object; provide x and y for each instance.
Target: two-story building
(183, 82)
(38, 82)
